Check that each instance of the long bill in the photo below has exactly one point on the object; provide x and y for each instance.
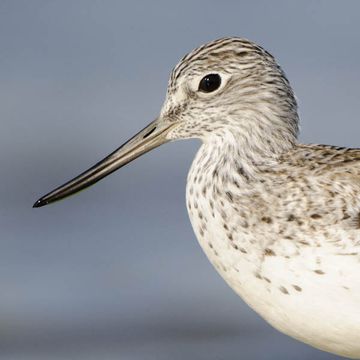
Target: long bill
(147, 139)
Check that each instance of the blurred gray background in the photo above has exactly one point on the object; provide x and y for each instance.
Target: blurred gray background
(116, 272)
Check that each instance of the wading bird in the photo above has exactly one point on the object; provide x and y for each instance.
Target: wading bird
(279, 220)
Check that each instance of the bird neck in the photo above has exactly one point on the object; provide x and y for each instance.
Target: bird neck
(242, 152)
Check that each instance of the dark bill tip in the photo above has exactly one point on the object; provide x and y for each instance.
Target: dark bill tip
(40, 203)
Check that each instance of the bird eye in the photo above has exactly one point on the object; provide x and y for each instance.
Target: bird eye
(209, 83)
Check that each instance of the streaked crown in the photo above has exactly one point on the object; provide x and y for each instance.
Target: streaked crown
(232, 86)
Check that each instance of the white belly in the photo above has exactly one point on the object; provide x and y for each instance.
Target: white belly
(318, 307)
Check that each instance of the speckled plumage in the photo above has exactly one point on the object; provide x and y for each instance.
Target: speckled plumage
(279, 220)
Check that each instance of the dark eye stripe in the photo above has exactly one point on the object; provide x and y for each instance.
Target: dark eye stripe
(209, 83)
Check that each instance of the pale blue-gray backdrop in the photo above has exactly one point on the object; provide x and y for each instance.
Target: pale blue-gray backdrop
(116, 272)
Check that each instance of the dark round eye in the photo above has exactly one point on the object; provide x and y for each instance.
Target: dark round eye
(209, 83)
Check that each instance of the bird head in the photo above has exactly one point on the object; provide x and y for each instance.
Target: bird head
(228, 90)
